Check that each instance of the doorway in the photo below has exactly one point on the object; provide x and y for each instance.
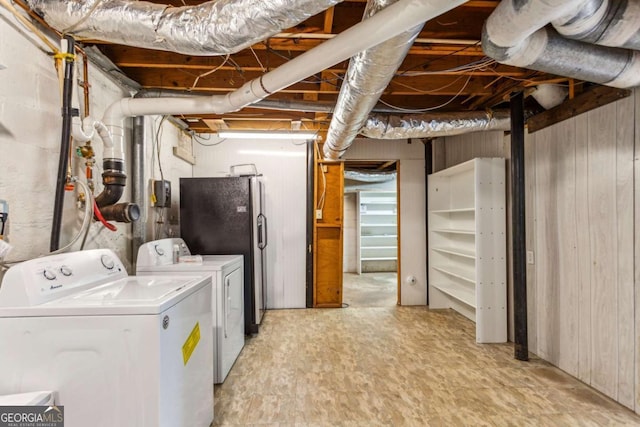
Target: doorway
(371, 224)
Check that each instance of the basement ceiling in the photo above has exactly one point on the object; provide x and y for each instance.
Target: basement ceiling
(444, 71)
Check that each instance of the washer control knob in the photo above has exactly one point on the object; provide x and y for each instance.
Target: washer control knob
(159, 250)
(49, 274)
(107, 261)
(66, 271)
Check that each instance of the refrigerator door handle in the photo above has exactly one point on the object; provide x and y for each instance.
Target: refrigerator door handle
(262, 235)
(265, 227)
(226, 297)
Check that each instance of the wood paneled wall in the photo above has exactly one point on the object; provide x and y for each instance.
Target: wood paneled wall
(582, 210)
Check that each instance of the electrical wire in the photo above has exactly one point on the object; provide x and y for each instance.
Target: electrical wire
(198, 139)
(422, 110)
(83, 19)
(157, 145)
(195, 82)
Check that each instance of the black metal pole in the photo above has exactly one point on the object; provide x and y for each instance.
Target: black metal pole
(310, 219)
(518, 229)
(65, 144)
(428, 169)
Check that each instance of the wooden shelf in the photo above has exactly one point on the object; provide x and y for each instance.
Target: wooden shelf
(457, 252)
(454, 231)
(328, 225)
(456, 272)
(447, 211)
(467, 244)
(374, 238)
(461, 294)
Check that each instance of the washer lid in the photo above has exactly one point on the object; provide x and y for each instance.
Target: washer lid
(209, 263)
(35, 398)
(130, 295)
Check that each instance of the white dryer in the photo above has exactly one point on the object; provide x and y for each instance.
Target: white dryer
(117, 350)
(172, 256)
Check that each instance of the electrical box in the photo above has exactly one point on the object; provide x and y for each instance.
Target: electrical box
(162, 193)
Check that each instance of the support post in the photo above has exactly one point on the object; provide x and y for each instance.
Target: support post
(138, 227)
(518, 228)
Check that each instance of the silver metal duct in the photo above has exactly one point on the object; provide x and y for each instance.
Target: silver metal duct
(433, 124)
(216, 27)
(604, 22)
(514, 35)
(372, 176)
(367, 77)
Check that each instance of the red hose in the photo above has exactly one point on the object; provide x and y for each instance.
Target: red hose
(96, 211)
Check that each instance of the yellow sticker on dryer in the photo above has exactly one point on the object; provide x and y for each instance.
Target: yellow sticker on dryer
(191, 343)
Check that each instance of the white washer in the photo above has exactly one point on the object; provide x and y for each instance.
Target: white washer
(227, 276)
(117, 350)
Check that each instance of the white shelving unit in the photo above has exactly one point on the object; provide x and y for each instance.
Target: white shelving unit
(467, 244)
(377, 231)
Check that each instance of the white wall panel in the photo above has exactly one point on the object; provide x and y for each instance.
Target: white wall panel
(412, 208)
(283, 165)
(583, 295)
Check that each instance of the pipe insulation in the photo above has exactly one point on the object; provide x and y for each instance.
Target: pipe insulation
(216, 27)
(368, 75)
(604, 22)
(515, 34)
(431, 125)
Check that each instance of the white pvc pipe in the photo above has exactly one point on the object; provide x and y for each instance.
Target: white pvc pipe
(386, 24)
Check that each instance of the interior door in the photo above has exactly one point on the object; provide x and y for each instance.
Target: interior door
(259, 245)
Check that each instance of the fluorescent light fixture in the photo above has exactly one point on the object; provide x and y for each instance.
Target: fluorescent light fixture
(259, 134)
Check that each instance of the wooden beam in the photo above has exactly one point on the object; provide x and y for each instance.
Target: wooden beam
(386, 165)
(586, 101)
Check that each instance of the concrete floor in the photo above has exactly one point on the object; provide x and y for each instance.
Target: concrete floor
(397, 366)
(370, 289)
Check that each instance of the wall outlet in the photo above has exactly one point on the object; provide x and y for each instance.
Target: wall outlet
(530, 258)
(318, 213)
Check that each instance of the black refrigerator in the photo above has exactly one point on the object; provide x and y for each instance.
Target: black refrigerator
(225, 216)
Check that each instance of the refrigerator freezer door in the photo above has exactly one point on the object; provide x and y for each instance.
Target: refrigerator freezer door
(257, 193)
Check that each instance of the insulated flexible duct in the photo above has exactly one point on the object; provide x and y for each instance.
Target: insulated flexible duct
(216, 27)
(604, 22)
(368, 75)
(514, 35)
(431, 125)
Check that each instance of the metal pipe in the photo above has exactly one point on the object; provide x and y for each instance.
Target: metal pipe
(138, 229)
(368, 75)
(518, 227)
(65, 144)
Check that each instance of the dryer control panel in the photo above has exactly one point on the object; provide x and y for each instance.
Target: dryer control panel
(45, 279)
(162, 252)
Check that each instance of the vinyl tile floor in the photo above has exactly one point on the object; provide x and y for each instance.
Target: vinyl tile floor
(397, 366)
